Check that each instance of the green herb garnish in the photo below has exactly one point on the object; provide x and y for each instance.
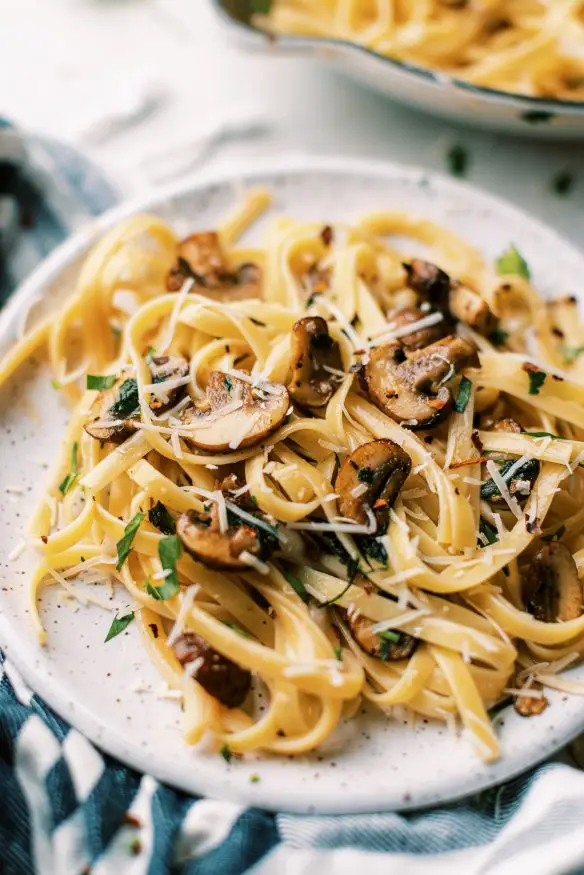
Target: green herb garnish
(488, 531)
(570, 353)
(297, 586)
(563, 183)
(463, 397)
(161, 519)
(366, 475)
(498, 337)
(70, 480)
(261, 7)
(118, 625)
(228, 383)
(128, 402)
(99, 383)
(536, 380)
(512, 262)
(254, 779)
(226, 753)
(55, 384)
(124, 545)
(338, 653)
(372, 548)
(169, 552)
(458, 160)
(528, 471)
(543, 434)
(390, 635)
(237, 629)
(149, 355)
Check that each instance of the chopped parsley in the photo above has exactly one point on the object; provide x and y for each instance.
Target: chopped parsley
(463, 397)
(389, 635)
(536, 379)
(498, 337)
(366, 475)
(528, 471)
(226, 753)
(149, 355)
(570, 353)
(99, 383)
(543, 434)
(458, 160)
(161, 519)
(372, 548)
(352, 568)
(118, 625)
(388, 638)
(67, 484)
(512, 262)
(488, 531)
(297, 586)
(128, 402)
(267, 536)
(338, 653)
(237, 629)
(228, 383)
(254, 779)
(563, 183)
(169, 552)
(55, 384)
(124, 545)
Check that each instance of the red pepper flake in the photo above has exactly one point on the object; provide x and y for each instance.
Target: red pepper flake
(557, 378)
(381, 502)
(437, 403)
(557, 332)
(477, 442)
(44, 539)
(476, 461)
(154, 629)
(130, 819)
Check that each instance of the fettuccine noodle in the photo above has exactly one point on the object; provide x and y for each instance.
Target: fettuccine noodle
(324, 466)
(532, 47)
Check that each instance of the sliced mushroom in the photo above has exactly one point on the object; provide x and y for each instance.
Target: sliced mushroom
(453, 298)
(236, 414)
(551, 588)
(317, 366)
(519, 485)
(529, 706)
(370, 479)
(201, 257)
(390, 646)
(163, 368)
(114, 413)
(467, 306)
(507, 424)
(418, 339)
(202, 537)
(219, 676)
(414, 390)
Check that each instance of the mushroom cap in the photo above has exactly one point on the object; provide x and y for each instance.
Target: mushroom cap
(219, 676)
(552, 589)
(381, 467)
(417, 339)
(313, 352)
(115, 411)
(201, 257)
(467, 306)
(429, 281)
(237, 415)
(412, 389)
(202, 538)
(375, 644)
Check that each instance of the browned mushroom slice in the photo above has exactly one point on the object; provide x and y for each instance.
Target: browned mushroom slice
(414, 390)
(201, 257)
(467, 306)
(219, 676)
(317, 366)
(453, 298)
(202, 537)
(236, 415)
(115, 411)
(508, 425)
(389, 646)
(551, 588)
(167, 368)
(370, 479)
(526, 705)
(423, 336)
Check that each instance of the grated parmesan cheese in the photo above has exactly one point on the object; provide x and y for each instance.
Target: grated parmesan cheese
(254, 562)
(187, 600)
(503, 489)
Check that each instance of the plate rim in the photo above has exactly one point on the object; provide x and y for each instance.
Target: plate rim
(107, 738)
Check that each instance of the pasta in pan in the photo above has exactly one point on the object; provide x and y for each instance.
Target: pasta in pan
(532, 47)
(324, 470)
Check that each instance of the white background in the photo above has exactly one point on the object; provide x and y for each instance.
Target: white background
(65, 62)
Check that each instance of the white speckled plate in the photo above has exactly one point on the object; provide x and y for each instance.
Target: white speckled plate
(374, 763)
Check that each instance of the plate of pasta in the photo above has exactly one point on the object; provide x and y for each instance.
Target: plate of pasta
(313, 518)
(515, 65)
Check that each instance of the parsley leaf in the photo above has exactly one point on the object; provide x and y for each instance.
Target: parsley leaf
(149, 355)
(161, 519)
(536, 381)
(128, 402)
(70, 480)
(373, 548)
(570, 353)
(228, 383)
(124, 545)
(297, 586)
(458, 160)
(254, 779)
(338, 653)
(389, 635)
(463, 397)
(512, 262)
(528, 471)
(99, 383)
(169, 552)
(498, 337)
(226, 753)
(543, 434)
(488, 531)
(55, 384)
(366, 475)
(118, 625)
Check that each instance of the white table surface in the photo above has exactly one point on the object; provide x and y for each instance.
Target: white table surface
(62, 63)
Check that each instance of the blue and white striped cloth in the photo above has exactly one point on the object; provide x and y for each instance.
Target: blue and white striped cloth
(67, 809)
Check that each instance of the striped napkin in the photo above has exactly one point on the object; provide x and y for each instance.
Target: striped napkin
(67, 809)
